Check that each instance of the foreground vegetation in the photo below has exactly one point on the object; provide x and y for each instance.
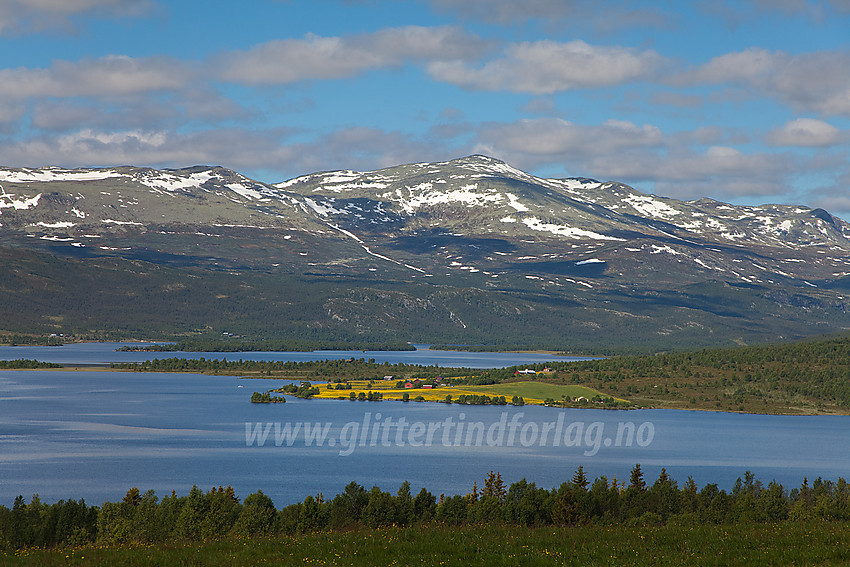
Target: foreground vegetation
(199, 517)
(786, 543)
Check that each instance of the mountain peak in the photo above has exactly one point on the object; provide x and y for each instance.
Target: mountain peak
(478, 159)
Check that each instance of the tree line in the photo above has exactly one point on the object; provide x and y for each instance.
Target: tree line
(266, 345)
(217, 513)
(26, 364)
(338, 370)
(815, 369)
(32, 340)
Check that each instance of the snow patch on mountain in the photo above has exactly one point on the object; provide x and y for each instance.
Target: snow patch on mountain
(7, 201)
(648, 206)
(514, 202)
(61, 224)
(424, 195)
(56, 238)
(590, 261)
(55, 174)
(659, 249)
(170, 182)
(244, 190)
(118, 222)
(324, 180)
(347, 187)
(570, 232)
(324, 208)
(340, 177)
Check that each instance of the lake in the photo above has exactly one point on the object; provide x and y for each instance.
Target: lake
(95, 434)
(105, 353)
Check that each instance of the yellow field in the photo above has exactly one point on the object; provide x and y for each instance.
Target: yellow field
(390, 392)
(531, 392)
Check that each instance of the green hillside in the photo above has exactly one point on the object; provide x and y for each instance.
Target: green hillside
(112, 297)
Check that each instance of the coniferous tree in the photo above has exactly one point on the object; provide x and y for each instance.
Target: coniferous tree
(636, 479)
(580, 479)
(494, 486)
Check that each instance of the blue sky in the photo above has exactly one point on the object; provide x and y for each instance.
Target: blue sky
(745, 101)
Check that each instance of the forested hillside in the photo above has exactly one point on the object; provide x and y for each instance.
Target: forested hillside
(802, 377)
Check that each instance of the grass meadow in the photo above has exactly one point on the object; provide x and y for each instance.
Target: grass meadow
(787, 543)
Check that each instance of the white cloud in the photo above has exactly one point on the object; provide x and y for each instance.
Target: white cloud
(136, 112)
(816, 81)
(602, 16)
(315, 57)
(841, 5)
(740, 66)
(507, 11)
(530, 143)
(546, 67)
(738, 13)
(806, 132)
(640, 155)
(11, 112)
(718, 171)
(156, 148)
(241, 149)
(113, 75)
(23, 16)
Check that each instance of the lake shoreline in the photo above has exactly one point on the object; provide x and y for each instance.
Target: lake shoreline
(106, 367)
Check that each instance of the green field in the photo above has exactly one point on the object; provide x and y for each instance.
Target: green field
(536, 390)
(811, 543)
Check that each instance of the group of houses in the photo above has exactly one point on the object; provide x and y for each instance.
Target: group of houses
(418, 383)
(546, 370)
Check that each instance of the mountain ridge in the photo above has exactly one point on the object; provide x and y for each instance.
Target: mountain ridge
(592, 255)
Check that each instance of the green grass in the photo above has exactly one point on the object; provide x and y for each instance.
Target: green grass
(816, 543)
(535, 390)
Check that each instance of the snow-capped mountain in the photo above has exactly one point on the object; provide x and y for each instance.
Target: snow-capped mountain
(602, 253)
(580, 220)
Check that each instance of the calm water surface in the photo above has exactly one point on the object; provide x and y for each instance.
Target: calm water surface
(94, 434)
(104, 353)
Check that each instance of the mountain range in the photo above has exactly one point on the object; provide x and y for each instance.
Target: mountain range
(469, 251)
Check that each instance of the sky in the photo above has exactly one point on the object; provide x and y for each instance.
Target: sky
(743, 101)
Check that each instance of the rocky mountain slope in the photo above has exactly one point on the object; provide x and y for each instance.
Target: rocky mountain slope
(470, 250)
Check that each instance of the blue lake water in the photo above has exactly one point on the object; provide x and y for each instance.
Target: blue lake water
(95, 434)
(104, 353)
